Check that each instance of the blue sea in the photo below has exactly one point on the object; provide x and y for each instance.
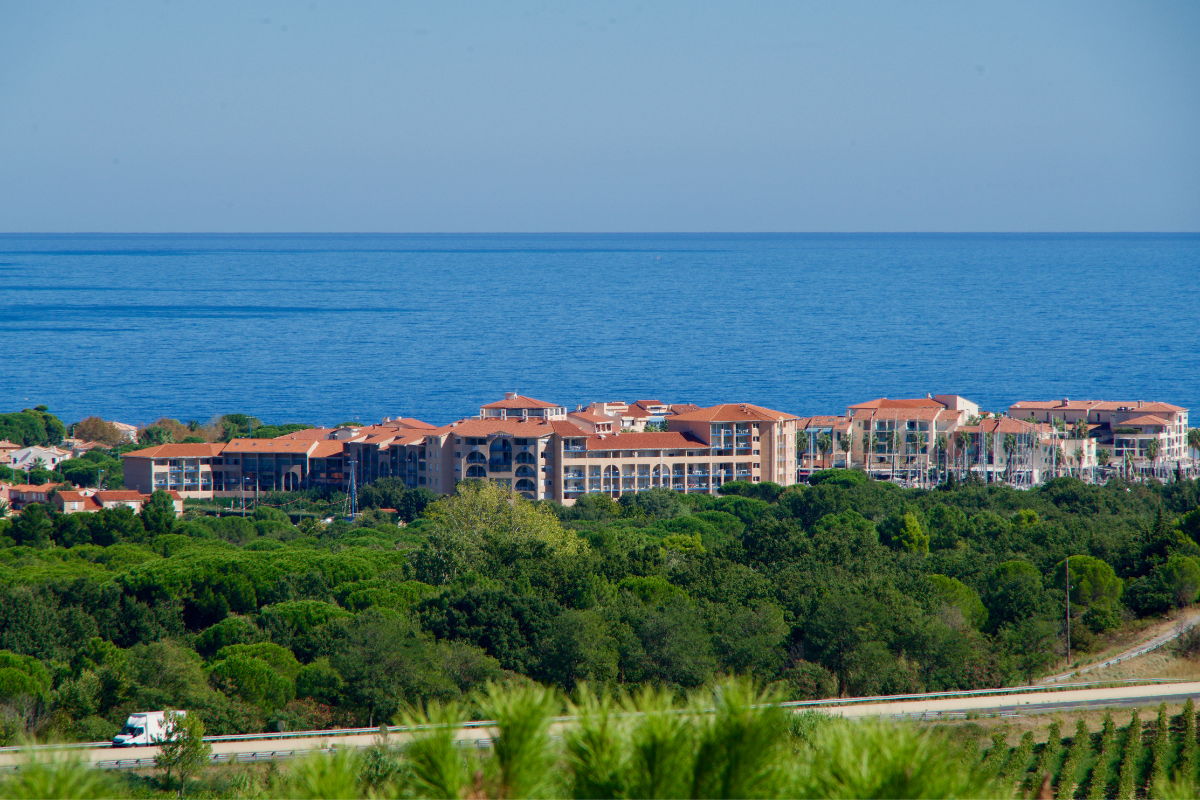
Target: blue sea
(322, 328)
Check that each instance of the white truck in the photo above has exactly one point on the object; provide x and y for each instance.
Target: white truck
(144, 728)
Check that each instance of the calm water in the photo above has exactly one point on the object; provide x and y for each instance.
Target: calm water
(321, 328)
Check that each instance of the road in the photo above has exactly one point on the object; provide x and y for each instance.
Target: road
(1023, 700)
(1177, 630)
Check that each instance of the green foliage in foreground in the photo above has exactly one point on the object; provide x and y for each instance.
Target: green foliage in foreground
(845, 586)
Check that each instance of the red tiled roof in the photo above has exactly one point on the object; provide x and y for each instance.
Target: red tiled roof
(733, 412)
(918, 413)
(121, 496)
(307, 433)
(183, 450)
(589, 416)
(654, 440)
(883, 402)
(1145, 419)
(412, 422)
(5, 444)
(269, 446)
(327, 448)
(568, 429)
(682, 408)
(485, 427)
(31, 487)
(1130, 405)
(89, 503)
(1055, 405)
(520, 402)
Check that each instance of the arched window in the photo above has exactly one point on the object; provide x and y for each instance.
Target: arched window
(501, 446)
(476, 471)
(526, 485)
(525, 458)
(476, 457)
(525, 470)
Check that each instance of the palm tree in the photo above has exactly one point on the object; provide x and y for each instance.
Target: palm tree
(824, 444)
(1010, 444)
(943, 444)
(920, 437)
(1152, 452)
(39, 463)
(801, 445)
(961, 440)
(893, 440)
(846, 443)
(1103, 457)
(1079, 460)
(869, 456)
(5, 509)
(1193, 440)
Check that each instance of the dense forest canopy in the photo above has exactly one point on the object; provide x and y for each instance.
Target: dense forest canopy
(844, 586)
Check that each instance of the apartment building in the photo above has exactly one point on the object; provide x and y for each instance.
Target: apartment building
(560, 460)
(1124, 428)
(834, 430)
(515, 406)
(896, 438)
(184, 468)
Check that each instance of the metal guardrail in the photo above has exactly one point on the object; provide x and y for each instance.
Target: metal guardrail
(282, 738)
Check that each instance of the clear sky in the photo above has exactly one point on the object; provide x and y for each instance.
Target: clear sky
(563, 116)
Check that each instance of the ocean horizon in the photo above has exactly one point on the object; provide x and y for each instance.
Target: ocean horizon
(320, 328)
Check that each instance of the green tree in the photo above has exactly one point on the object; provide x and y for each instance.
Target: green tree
(158, 513)
(33, 527)
(953, 594)
(183, 750)
(911, 536)
(485, 527)
(825, 445)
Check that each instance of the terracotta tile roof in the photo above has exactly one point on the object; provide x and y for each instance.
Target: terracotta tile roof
(589, 416)
(883, 402)
(121, 496)
(411, 422)
(269, 446)
(327, 448)
(1005, 425)
(917, 413)
(87, 502)
(5, 444)
(1145, 419)
(175, 495)
(569, 429)
(682, 408)
(822, 421)
(308, 434)
(1054, 405)
(485, 427)
(734, 412)
(1133, 406)
(183, 450)
(30, 487)
(654, 440)
(647, 403)
(636, 412)
(520, 402)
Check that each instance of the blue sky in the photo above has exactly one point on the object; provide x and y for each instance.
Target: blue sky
(646, 116)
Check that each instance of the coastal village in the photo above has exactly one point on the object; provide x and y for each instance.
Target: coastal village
(544, 451)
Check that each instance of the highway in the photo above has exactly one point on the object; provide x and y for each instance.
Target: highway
(945, 705)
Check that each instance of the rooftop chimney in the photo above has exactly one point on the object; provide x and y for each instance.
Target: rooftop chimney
(1066, 402)
(1139, 403)
(510, 395)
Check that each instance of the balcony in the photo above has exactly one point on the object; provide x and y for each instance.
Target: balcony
(574, 474)
(500, 466)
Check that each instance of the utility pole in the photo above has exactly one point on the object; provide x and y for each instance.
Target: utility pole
(1067, 574)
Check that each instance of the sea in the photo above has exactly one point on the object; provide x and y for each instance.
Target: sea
(326, 328)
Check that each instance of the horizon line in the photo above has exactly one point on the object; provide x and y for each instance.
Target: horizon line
(608, 233)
